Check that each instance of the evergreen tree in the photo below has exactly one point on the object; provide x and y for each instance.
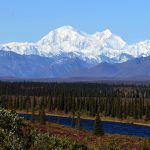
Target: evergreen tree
(33, 110)
(147, 115)
(73, 121)
(125, 110)
(42, 116)
(78, 121)
(98, 129)
(0, 102)
(49, 104)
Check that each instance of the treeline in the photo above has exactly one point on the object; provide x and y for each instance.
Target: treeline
(121, 101)
(74, 89)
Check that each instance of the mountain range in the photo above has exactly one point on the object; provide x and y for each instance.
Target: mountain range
(66, 52)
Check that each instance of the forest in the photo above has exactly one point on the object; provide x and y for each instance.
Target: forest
(114, 100)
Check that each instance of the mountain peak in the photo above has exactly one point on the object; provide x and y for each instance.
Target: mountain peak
(107, 32)
(65, 28)
(100, 46)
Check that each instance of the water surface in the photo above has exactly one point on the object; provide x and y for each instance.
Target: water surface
(109, 127)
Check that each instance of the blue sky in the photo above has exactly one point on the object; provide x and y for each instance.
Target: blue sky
(29, 20)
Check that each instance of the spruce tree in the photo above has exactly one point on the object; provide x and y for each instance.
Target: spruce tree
(73, 121)
(49, 104)
(42, 113)
(98, 129)
(42, 116)
(147, 115)
(78, 121)
(33, 110)
(0, 102)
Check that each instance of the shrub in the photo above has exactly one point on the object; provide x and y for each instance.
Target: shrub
(15, 134)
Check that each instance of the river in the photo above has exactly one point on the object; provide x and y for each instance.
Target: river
(109, 127)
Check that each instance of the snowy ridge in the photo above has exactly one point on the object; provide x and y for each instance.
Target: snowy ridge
(67, 41)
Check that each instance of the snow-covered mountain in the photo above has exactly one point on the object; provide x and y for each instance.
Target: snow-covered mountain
(66, 52)
(67, 41)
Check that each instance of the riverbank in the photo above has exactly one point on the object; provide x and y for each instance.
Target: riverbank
(107, 119)
(103, 118)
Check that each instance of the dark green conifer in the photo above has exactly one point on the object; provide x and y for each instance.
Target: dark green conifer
(33, 110)
(98, 129)
(49, 104)
(147, 115)
(78, 121)
(73, 121)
